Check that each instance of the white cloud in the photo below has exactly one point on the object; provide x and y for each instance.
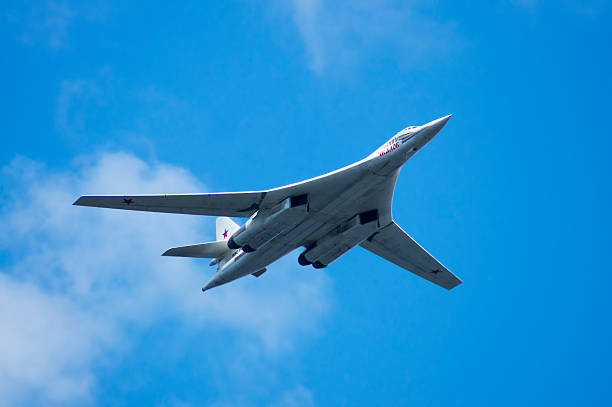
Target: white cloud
(49, 22)
(47, 343)
(75, 97)
(90, 110)
(74, 279)
(297, 397)
(340, 34)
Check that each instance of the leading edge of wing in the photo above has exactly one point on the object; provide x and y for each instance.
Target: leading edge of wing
(327, 175)
(395, 245)
(234, 204)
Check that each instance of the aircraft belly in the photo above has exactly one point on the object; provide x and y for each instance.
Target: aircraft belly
(371, 192)
(344, 237)
(248, 263)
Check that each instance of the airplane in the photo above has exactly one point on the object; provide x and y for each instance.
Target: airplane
(326, 215)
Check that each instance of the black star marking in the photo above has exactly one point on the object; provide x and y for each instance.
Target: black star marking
(436, 271)
(127, 201)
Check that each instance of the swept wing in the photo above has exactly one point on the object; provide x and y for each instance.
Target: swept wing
(234, 204)
(395, 245)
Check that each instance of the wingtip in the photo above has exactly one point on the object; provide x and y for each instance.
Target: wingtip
(458, 282)
(78, 201)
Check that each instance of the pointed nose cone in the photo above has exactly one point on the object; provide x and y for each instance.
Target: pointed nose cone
(429, 130)
(436, 125)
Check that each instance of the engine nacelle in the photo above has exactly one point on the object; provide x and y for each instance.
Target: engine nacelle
(269, 223)
(342, 239)
(230, 242)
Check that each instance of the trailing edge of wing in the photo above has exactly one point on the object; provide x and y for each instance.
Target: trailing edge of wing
(235, 204)
(395, 245)
(210, 250)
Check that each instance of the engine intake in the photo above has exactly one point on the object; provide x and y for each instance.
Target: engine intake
(232, 244)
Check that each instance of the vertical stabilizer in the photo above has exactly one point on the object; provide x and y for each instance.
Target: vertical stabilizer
(225, 228)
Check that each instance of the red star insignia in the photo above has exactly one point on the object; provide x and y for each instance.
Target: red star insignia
(225, 234)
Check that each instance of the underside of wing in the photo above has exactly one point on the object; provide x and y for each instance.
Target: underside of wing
(320, 191)
(234, 204)
(210, 250)
(395, 245)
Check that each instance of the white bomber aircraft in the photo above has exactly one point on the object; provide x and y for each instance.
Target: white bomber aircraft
(327, 215)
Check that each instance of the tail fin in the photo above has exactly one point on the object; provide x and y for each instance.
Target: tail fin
(225, 228)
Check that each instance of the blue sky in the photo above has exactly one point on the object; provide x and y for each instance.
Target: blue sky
(513, 196)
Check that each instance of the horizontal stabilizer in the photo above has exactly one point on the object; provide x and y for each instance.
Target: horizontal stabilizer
(210, 250)
(395, 245)
(236, 204)
(259, 273)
